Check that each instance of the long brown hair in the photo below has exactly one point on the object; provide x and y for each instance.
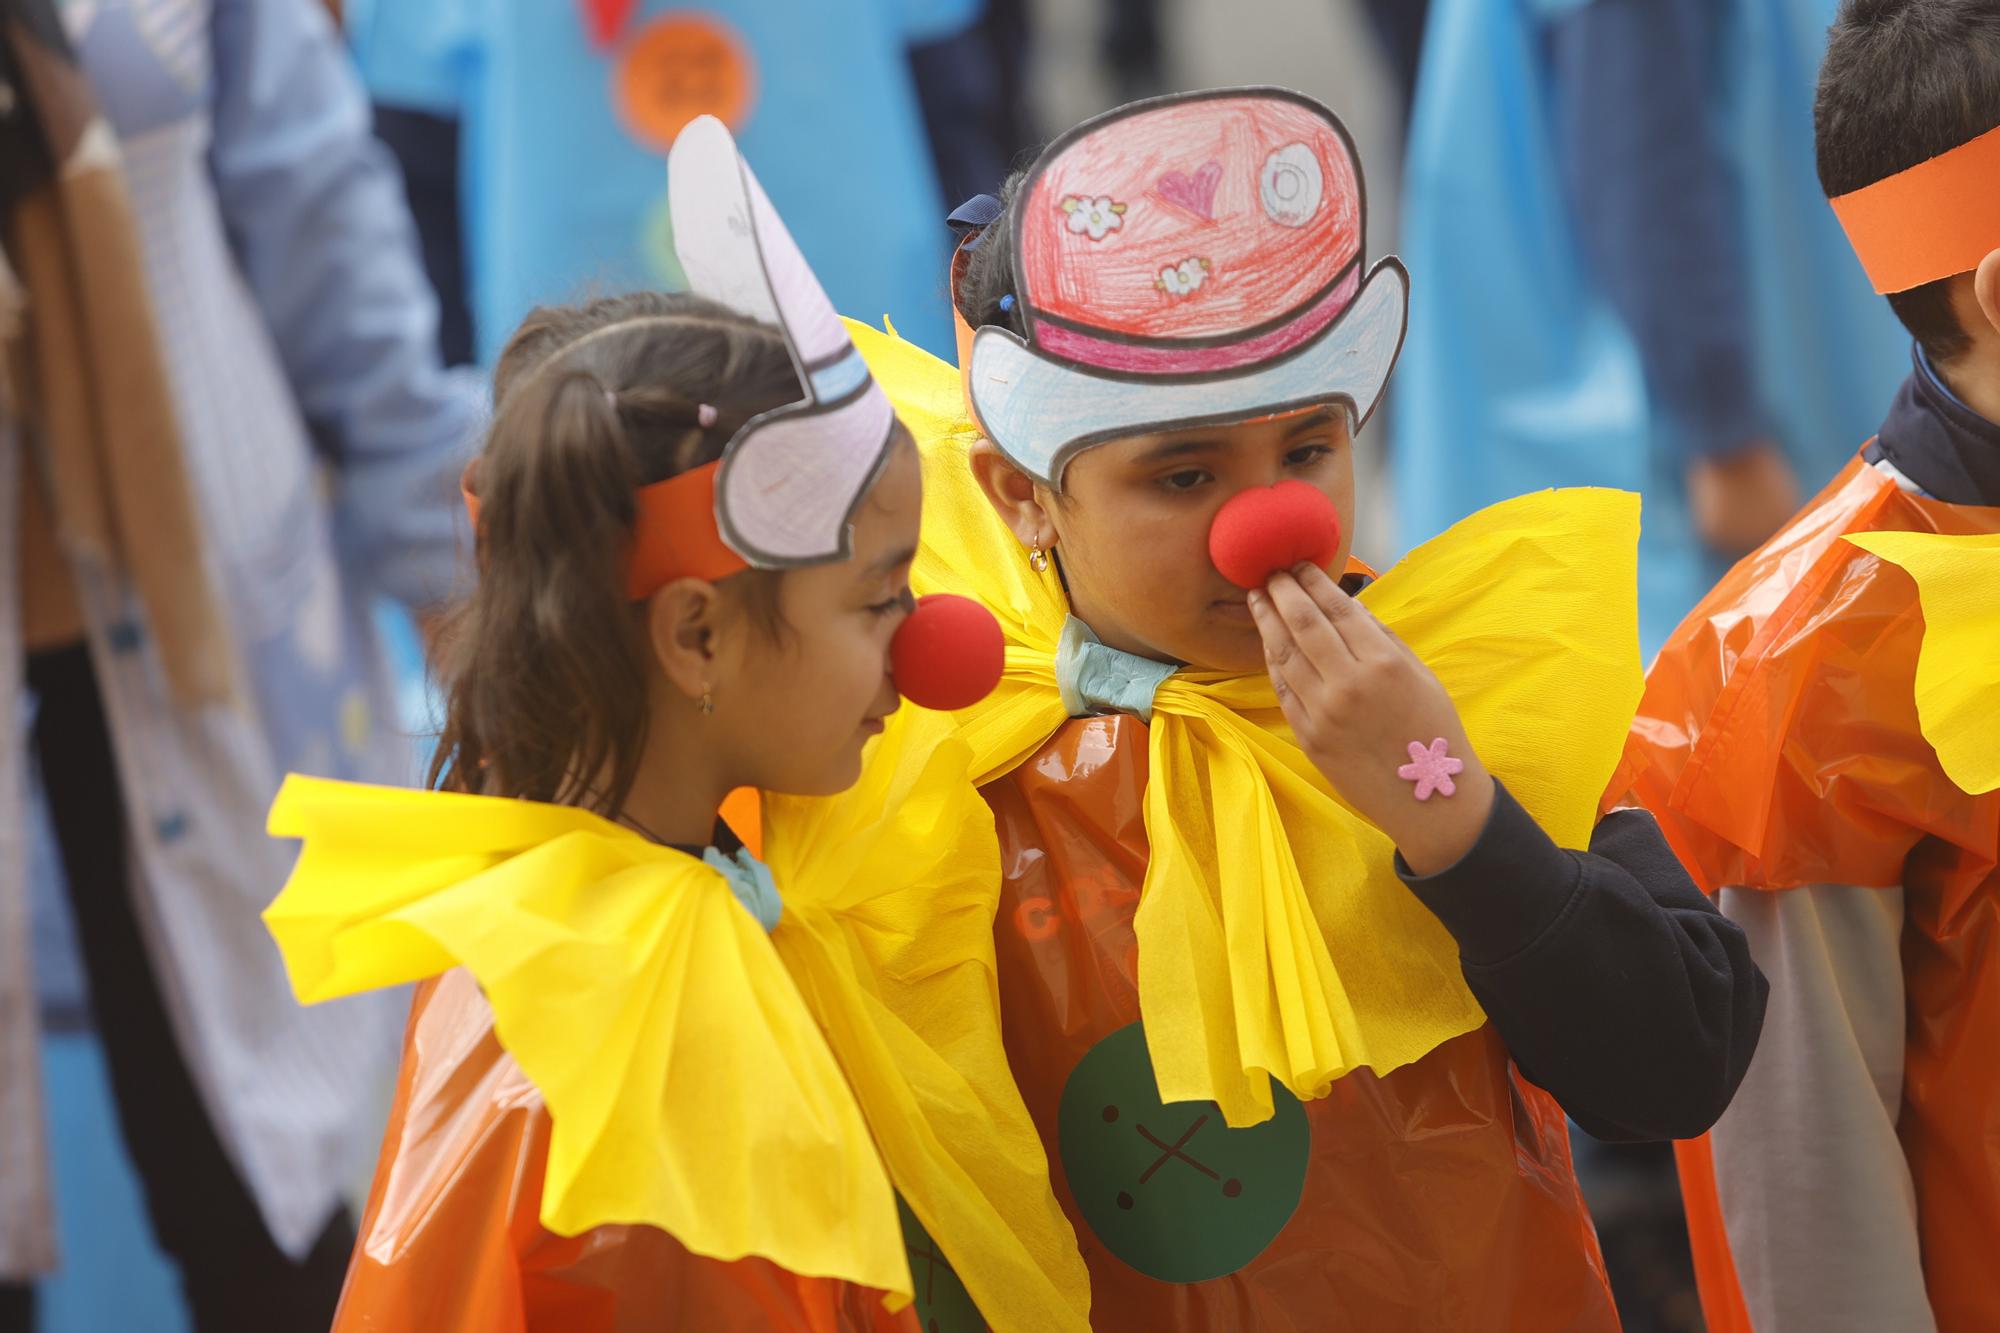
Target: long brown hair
(546, 666)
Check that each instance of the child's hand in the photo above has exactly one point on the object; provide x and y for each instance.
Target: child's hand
(1357, 699)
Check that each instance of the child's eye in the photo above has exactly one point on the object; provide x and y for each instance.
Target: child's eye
(1308, 454)
(904, 601)
(1185, 481)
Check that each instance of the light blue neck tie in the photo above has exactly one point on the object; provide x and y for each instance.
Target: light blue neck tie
(750, 880)
(1097, 679)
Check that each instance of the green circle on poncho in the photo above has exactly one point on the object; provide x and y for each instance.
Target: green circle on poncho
(943, 1304)
(1170, 1189)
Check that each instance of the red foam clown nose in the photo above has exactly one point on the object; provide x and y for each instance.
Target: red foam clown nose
(1260, 532)
(947, 653)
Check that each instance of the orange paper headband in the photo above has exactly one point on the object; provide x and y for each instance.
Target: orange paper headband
(1936, 220)
(674, 535)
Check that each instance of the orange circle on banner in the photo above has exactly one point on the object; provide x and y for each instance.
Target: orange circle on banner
(682, 66)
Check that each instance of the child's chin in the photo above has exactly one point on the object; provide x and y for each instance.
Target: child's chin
(1225, 646)
(831, 779)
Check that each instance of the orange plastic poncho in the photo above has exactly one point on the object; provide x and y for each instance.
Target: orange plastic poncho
(1780, 744)
(1439, 1196)
(452, 1238)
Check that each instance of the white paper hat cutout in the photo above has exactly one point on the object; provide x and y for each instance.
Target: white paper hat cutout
(792, 477)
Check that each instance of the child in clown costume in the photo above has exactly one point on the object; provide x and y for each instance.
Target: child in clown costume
(654, 1080)
(1298, 972)
(1818, 741)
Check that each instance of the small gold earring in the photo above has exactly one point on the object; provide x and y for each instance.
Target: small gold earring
(707, 701)
(1038, 559)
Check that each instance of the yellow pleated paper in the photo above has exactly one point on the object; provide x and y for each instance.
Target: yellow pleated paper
(1958, 668)
(893, 950)
(740, 1091)
(1274, 936)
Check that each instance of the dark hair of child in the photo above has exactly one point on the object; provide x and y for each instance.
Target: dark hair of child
(987, 279)
(1906, 80)
(545, 666)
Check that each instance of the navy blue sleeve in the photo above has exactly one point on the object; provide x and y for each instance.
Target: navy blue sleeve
(425, 146)
(1613, 980)
(1654, 202)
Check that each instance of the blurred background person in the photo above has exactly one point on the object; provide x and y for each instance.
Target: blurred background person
(972, 89)
(1629, 277)
(224, 436)
(564, 111)
(1399, 27)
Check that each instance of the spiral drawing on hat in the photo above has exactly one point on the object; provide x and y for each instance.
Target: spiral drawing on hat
(1291, 185)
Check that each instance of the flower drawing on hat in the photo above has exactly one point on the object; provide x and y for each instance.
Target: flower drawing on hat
(1291, 185)
(1184, 278)
(1096, 218)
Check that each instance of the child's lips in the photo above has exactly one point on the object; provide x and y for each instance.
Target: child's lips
(1232, 608)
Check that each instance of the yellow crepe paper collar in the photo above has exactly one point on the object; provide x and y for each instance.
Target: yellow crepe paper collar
(1958, 668)
(742, 1092)
(1274, 936)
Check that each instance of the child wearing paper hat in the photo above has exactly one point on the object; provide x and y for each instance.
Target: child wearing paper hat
(1298, 974)
(666, 1071)
(1818, 740)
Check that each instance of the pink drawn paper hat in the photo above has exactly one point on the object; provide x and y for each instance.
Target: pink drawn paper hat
(791, 478)
(1186, 261)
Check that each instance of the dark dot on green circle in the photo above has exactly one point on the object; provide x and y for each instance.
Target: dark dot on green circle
(1110, 1114)
(1124, 1199)
(1231, 1188)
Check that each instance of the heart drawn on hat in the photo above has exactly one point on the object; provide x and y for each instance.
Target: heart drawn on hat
(1195, 193)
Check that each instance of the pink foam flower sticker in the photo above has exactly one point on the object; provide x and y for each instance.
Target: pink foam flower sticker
(1431, 769)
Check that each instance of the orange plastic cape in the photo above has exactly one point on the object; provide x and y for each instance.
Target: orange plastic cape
(743, 1093)
(1439, 1196)
(452, 1242)
(1779, 743)
(1778, 740)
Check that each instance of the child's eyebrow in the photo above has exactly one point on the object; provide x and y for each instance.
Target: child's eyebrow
(1175, 449)
(1319, 420)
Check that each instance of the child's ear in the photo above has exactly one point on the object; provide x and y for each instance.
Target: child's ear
(1986, 290)
(1012, 492)
(683, 620)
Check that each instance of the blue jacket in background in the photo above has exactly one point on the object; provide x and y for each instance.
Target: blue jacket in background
(1621, 260)
(561, 202)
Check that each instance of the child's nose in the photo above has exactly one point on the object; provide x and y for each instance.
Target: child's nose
(1268, 528)
(947, 654)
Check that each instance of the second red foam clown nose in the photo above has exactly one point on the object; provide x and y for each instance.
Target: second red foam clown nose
(948, 653)
(1260, 532)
